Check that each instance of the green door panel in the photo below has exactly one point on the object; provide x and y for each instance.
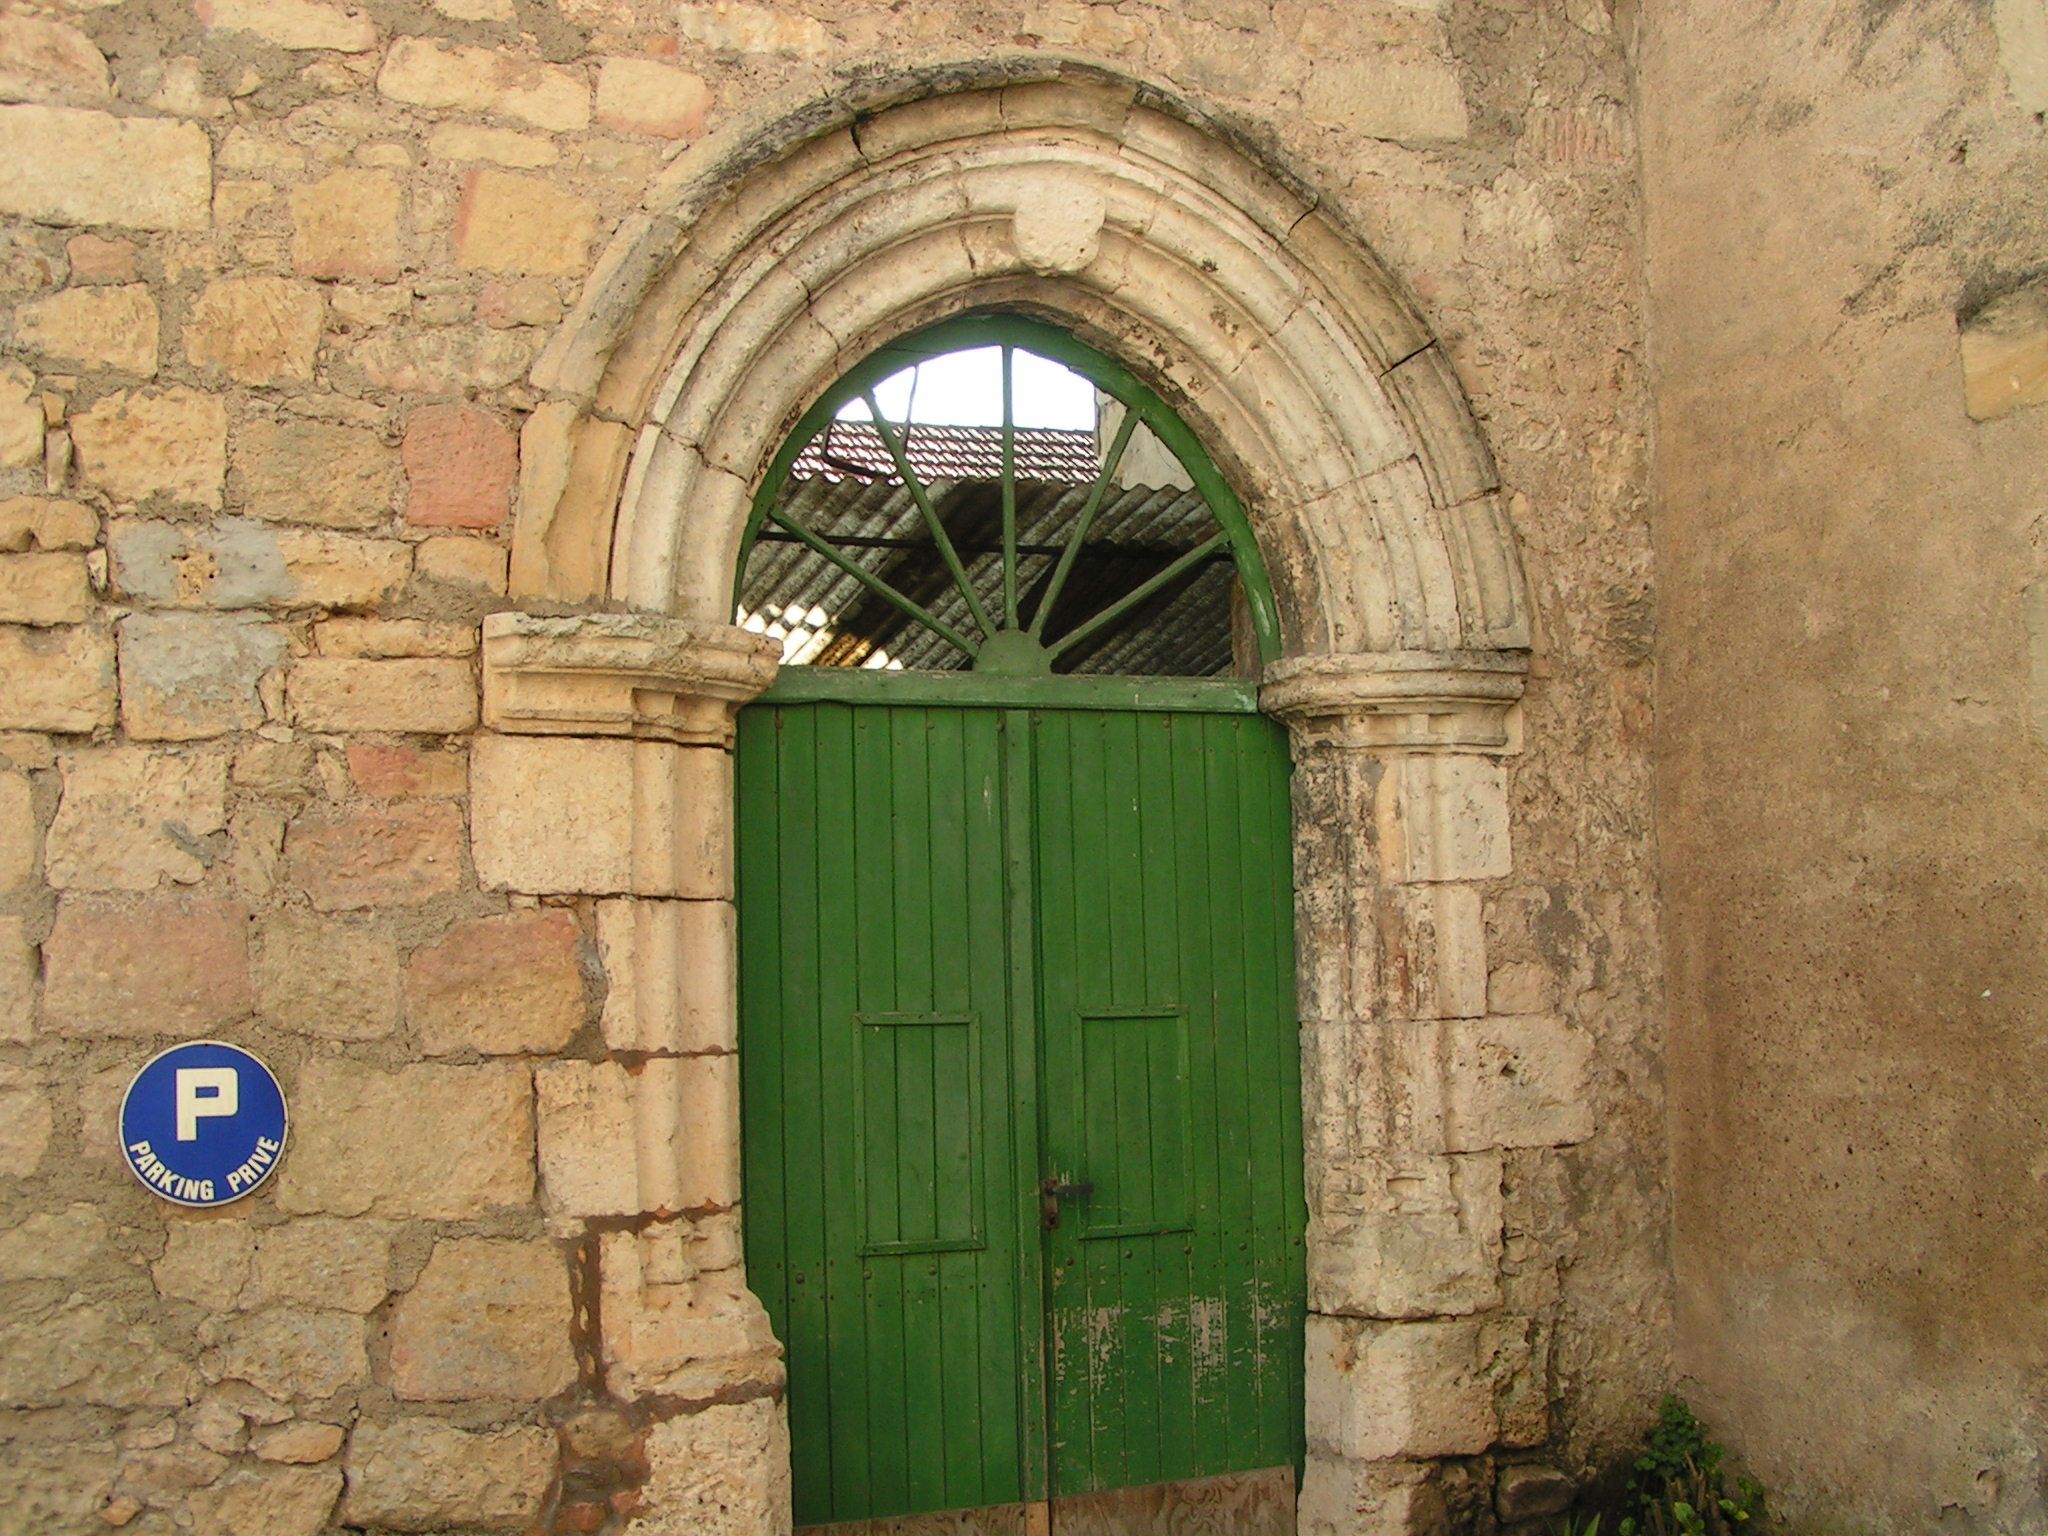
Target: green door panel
(981, 947)
(1172, 1084)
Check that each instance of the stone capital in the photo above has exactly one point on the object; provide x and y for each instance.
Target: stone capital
(1427, 701)
(621, 674)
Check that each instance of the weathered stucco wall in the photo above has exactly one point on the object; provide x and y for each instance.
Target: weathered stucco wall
(275, 275)
(1852, 787)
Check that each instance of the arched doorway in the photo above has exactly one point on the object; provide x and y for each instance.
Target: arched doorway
(1020, 1077)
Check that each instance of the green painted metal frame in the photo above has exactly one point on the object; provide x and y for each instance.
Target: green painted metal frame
(1008, 649)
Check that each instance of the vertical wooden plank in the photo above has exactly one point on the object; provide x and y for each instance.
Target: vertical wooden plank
(872, 1295)
(831, 1056)
(1210, 1387)
(1124, 853)
(1032, 1314)
(1234, 1130)
(1159, 837)
(1050, 778)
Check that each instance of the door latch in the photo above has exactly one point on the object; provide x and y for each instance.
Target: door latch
(1051, 1191)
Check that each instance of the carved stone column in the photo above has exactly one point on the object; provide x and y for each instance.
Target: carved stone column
(1411, 1090)
(606, 773)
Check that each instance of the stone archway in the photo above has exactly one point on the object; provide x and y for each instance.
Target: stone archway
(760, 268)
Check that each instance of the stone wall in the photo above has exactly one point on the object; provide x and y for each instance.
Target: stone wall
(278, 276)
(1845, 214)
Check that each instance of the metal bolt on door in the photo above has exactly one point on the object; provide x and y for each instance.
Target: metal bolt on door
(1022, 1125)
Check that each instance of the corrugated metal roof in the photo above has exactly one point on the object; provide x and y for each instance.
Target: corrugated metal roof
(1182, 632)
(854, 449)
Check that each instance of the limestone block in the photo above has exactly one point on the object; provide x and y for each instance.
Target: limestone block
(135, 444)
(446, 360)
(67, 166)
(2023, 47)
(1443, 818)
(346, 225)
(44, 589)
(295, 1352)
(1433, 1249)
(326, 977)
(1433, 952)
(56, 679)
(500, 146)
(473, 564)
(518, 301)
(131, 816)
(313, 472)
(161, 965)
(689, 1337)
(237, 563)
(1380, 1391)
(36, 523)
(49, 62)
(648, 97)
(1515, 1082)
(2005, 354)
(387, 771)
(299, 24)
(321, 1261)
(672, 973)
(1516, 1351)
(512, 223)
(90, 328)
(400, 854)
(52, 1245)
(18, 966)
(723, 1471)
(588, 1160)
(379, 638)
(17, 831)
(96, 259)
(420, 1474)
(460, 463)
(552, 815)
(429, 695)
(1530, 1492)
(1408, 95)
(258, 330)
(598, 817)
(299, 1443)
(500, 985)
(278, 1501)
(22, 419)
(733, 27)
(205, 1262)
(187, 676)
(425, 73)
(1341, 1497)
(466, 1145)
(488, 1318)
(85, 1354)
(26, 1120)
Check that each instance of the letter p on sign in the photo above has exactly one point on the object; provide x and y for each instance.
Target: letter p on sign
(205, 1093)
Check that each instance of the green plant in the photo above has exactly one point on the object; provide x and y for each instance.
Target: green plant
(1678, 1488)
(1577, 1525)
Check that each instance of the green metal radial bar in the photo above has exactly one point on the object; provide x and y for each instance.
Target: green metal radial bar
(1137, 595)
(1084, 522)
(918, 494)
(1009, 492)
(1050, 342)
(888, 594)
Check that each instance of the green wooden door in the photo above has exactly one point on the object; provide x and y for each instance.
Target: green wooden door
(982, 948)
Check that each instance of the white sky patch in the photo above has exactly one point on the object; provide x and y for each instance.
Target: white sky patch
(965, 389)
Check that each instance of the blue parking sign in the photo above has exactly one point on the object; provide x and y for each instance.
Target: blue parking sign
(203, 1123)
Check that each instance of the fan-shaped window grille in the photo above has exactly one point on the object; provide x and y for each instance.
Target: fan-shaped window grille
(921, 517)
